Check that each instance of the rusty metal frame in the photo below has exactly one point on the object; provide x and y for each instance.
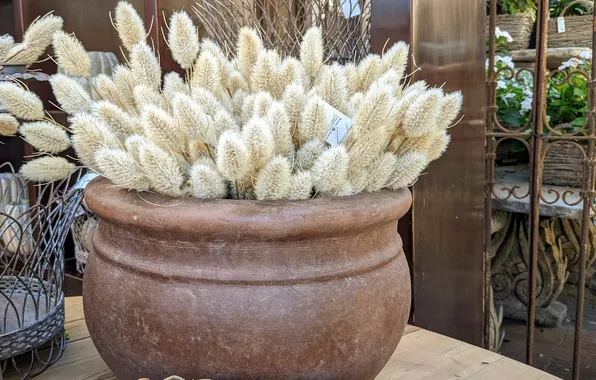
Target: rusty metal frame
(542, 137)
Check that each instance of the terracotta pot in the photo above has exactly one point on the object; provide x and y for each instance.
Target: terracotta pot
(228, 289)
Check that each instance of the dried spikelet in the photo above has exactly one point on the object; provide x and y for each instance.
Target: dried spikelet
(290, 72)
(439, 145)
(333, 87)
(145, 67)
(121, 168)
(206, 160)
(9, 124)
(391, 78)
(129, 24)
(207, 101)
(118, 121)
(351, 75)
(20, 102)
(369, 71)
(263, 100)
(162, 170)
(380, 172)
(293, 101)
(207, 183)
(222, 122)
(354, 104)
(206, 73)
(247, 108)
(416, 144)
(311, 52)
(146, 96)
(45, 136)
(225, 68)
(364, 150)
(278, 121)
(183, 39)
(35, 41)
(236, 83)
(162, 129)
(90, 134)
(259, 142)
(330, 171)
(173, 83)
(373, 111)
(233, 160)
(274, 180)
(197, 149)
(247, 51)
(6, 42)
(421, 116)
(396, 142)
(300, 186)
(313, 122)
(133, 144)
(265, 73)
(70, 94)
(71, 54)
(415, 88)
(450, 109)
(125, 85)
(308, 154)
(396, 58)
(107, 90)
(192, 119)
(407, 169)
(47, 169)
(359, 179)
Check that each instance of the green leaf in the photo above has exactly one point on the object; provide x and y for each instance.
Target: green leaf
(580, 121)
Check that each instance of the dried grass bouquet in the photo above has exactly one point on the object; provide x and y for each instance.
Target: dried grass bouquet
(257, 126)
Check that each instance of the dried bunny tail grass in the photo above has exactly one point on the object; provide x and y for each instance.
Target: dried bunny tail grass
(207, 100)
(205, 160)
(119, 122)
(438, 145)
(330, 170)
(162, 170)
(207, 183)
(133, 144)
(350, 72)
(373, 111)
(263, 101)
(107, 90)
(129, 25)
(21, 103)
(163, 130)
(6, 42)
(415, 88)
(193, 119)
(416, 144)
(369, 71)
(407, 169)
(223, 121)
(172, 84)
(293, 101)
(274, 180)
(90, 134)
(258, 139)
(333, 88)
(308, 154)
(125, 85)
(422, 116)
(47, 169)
(9, 125)
(265, 73)
(364, 150)
(311, 52)
(396, 58)
(313, 121)
(391, 78)
(225, 68)
(206, 73)
(197, 149)
(354, 104)
(380, 172)
(71, 54)
(144, 66)
(279, 122)
(233, 160)
(247, 51)
(73, 98)
(45, 136)
(450, 109)
(291, 71)
(183, 39)
(146, 96)
(35, 41)
(121, 168)
(247, 108)
(236, 83)
(300, 186)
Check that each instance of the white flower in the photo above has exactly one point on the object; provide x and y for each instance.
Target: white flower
(587, 55)
(572, 62)
(487, 64)
(526, 105)
(499, 33)
(507, 61)
(501, 84)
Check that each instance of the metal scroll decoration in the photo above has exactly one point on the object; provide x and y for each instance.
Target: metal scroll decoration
(34, 222)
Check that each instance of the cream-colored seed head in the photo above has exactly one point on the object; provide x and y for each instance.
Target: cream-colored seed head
(313, 122)
(236, 83)
(125, 85)
(225, 67)
(311, 52)
(330, 171)
(373, 112)
(233, 160)
(71, 55)
(119, 122)
(390, 78)
(380, 172)
(265, 75)
(183, 39)
(47, 169)
(354, 104)
(162, 170)
(416, 144)
(366, 149)
(368, 71)
(121, 168)
(35, 41)
(20, 102)
(279, 122)
(259, 142)
(407, 169)
(263, 101)
(172, 84)
(129, 24)
(416, 88)
(438, 145)
(45, 136)
(192, 119)
(73, 98)
(333, 88)
(308, 154)
(293, 101)
(145, 67)
(450, 109)
(6, 42)
(163, 130)
(274, 180)
(146, 96)
(396, 58)
(206, 73)
(351, 74)
(247, 109)
(207, 183)
(105, 87)
(207, 100)
(9, 125)
(247, 51)
(133, 144)
(89, 135)
(300, 186)
(291, 71)
(422, 116)
(198, 149)
(222, 122)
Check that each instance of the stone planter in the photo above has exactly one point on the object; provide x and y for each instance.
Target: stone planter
(228, 289)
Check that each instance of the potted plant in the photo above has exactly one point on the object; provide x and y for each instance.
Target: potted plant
(248, 211)
(517, 17)
(570, 23)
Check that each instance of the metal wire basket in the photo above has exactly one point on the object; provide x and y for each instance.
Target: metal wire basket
(82, 229)
(34, 223)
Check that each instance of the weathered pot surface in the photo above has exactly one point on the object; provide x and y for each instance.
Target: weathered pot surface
(228, 289)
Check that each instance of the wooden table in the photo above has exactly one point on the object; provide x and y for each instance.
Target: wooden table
(420, 355)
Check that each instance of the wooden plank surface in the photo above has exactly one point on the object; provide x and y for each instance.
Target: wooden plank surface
(421, 355)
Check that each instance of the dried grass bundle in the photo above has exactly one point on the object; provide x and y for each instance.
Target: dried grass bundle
(47, 169)
(6, 43)
(36, 40)
(21, 103)
(71, 55)
(121, 168)
(45, 136)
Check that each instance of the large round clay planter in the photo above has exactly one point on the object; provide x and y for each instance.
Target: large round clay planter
(228, 289)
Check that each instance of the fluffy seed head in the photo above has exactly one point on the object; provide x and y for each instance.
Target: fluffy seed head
(162, 170)
(129, 24)
(125, 85)
(173, 83)
(368, 71)
(351, 73)
(193, 119)
(20, 102)
(438, 145)
(407, 169)
(206, 100)
(47, 169)
(222, 122)
(380, 172)
(333, 88)
(300, 186)
(279, 122)
(274, 180)
(183, 39)
(162, 129)
(118, 121)
(290, 72)
(207, 182)
(35, 41)
(373, 111)
(396, 58)
(450, 109)
(132, 144)
(145, 67)
(121, 168)
(263, 100)
(71, 54)
(146, 96)
(6, 42)
(45, 136)
(107, 90)
(247, 51)
(206, 73)
(73, 98)
(265, 73)
(313, 122)
(8, 124)
(89, 135)
(248, 107)
(293, 101)
(259, 142)
(311, 52)
(225, 67)
(233, 160)
(330, 171)
(422, 116)
(309, 153)
(236, 83)
(354, 104)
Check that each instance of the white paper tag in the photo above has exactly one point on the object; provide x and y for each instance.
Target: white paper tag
(351, 8)
(561, 24)
(84, 181)
(339, 125)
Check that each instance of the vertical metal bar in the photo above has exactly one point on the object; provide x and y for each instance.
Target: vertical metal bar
(588, 196)
(536, 167)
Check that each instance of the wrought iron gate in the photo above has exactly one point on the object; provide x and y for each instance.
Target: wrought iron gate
(526, 261)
